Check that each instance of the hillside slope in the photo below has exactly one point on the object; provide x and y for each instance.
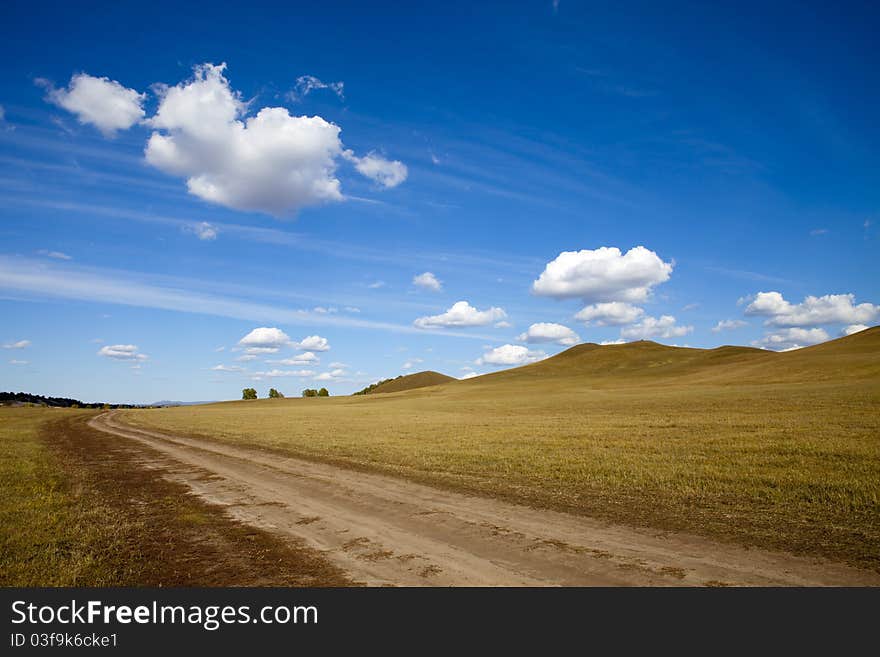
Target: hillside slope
(638, 363)
(412, 381)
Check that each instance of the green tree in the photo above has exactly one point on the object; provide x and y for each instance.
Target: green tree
(248, 393)
(323, 392)
(274, 394)
(310, 392)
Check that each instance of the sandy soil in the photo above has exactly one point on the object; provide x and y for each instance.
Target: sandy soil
(387, 531)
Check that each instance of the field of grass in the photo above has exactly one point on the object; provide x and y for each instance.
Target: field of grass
(78, 509)
(772, 450)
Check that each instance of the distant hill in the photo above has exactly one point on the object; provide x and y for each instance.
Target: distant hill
(645, 362)
(410, 382)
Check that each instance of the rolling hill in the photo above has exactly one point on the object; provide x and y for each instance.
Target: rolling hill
(645, 362)
(413, 381)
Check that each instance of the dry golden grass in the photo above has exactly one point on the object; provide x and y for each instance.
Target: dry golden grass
(77, 508)
(774, 450)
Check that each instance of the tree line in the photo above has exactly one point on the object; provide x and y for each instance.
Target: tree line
(251, 393)
(60, 402)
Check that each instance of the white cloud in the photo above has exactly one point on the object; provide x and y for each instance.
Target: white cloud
(469, 375)
(313, 343)
(306, 84)
(653, 327)
(854, 328)
(307, 358)
(510, 354)
(352, 309)
(127, 352)
(388, 173)
(549, 332)
(428, 281)
(792, 338)
(204, 231)
(502, 324)
(264, 340)
(728, 325)
(271, 162)
(322, 310)
(18, 362)
(412, 362)
(610, 313)
(333, 375)
(605, 343)
(337, 365)
(376, 285)
(227, 368)
(21, 344)
(812, 311)
(603, 274)
(100, 102)
(246, 358)
(461, 314)
(58, 255)
(275, 374)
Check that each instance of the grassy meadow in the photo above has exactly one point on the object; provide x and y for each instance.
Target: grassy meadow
(765, 449)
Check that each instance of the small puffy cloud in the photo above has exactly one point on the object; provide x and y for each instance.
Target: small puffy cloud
(57, 255)
(127, 352)
(610, 313)
(788, 339)
(812, 311)
(21, 344)
(265, 336)
(264, 340)
(428, 281)
(854, 328)
(306, 84)
(510, 354)
(100, 102)
(728, 325)
(603, 274)
(313, 343)
(388, 173)
(276, 374)
(469, 375)
(227, 368)
(204, 231)
(549, 332)
(654, 327)
(502, 324)
(375, 285)
(306, 358)
(411, 363)
(461, 314)
(333, 375)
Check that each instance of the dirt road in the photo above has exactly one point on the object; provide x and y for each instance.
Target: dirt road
(387, 531)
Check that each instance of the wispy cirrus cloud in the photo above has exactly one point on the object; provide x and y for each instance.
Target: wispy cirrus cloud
(33, 277)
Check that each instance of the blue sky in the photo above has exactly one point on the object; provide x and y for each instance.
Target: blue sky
(158, 208)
